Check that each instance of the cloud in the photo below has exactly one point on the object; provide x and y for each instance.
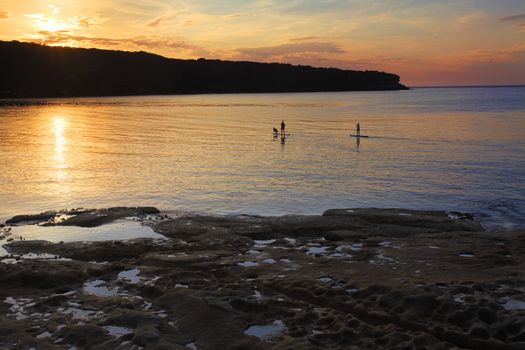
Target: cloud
(156, 22)
(85, 21)
(4, 15)
(510, 54)
(469, 19)
(155, 44)
(278, 52)
(159, 20)
(518, 17)
(305, 38)
(50, 23)
(305, 7)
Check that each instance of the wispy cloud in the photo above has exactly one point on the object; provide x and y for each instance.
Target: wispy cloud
(277, 52)
(518, 17)
(4, 15)
(156, 22)
(50, 23)
(470, 18)
(304, 38)
(160, 20)
(86, 21)
(513, 53)
(65, 38)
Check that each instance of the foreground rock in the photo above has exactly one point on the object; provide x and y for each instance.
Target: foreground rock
(83, 217)
(349, 279)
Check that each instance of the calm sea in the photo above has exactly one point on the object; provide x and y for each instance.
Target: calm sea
(457, 149)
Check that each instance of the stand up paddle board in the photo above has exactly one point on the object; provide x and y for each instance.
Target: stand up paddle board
(365, 136)
(281, 134)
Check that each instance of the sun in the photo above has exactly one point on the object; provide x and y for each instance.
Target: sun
(50, 24)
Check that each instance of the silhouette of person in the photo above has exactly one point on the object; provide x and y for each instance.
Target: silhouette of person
(358, 130)
(275, 132)
(282, 127)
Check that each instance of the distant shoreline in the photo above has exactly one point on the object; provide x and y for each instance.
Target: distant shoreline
(5, 101)
(45, 71)
(466, 86)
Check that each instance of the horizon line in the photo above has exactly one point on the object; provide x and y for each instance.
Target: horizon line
(466, 86)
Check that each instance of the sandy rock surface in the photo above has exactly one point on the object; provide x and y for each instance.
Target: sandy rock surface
(348, 279)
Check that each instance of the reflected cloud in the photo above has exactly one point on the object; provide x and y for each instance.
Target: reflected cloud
(4, 15)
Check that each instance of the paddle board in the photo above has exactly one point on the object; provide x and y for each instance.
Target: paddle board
(365, 136)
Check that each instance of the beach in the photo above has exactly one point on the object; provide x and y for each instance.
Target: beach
(346, 279)
(253, 175)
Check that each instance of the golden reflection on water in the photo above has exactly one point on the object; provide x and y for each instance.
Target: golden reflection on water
(58, 127)
(200, 153)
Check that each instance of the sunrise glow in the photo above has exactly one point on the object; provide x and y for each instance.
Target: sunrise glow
(426, 43)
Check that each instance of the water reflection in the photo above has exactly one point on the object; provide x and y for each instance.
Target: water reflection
(208, 153)
(58, 126)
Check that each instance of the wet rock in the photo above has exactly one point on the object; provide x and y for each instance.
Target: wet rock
(134, 319)
(86, 336)
(146, 335)
(103, 216)
(45, 216)
(479, 332)
(382, 280)
(487, 315)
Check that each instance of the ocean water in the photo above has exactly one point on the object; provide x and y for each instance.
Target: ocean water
(455, 149)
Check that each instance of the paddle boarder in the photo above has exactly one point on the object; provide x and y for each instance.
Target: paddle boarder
(282, 127)
(358, 127)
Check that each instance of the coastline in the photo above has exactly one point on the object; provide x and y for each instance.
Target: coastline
(350, 278)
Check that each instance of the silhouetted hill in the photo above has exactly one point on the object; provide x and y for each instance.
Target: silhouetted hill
(32, 70)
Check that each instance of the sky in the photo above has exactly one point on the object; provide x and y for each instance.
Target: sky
(426, 42)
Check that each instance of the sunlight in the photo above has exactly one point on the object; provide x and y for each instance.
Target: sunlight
(60, 141)
(48, 24)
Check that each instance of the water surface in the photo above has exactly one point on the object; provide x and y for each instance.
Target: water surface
(457, 149)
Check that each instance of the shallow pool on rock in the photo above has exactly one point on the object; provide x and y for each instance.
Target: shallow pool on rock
(118, 230)
(266, 332)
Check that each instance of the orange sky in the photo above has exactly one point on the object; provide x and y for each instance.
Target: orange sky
(461, 42)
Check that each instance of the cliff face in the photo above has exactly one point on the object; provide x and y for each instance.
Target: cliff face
(31, 70)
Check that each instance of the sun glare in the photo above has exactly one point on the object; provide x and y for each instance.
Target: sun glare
(50, 25)
(60, 141)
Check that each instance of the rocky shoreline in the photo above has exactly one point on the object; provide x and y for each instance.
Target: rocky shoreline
(347, 279)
